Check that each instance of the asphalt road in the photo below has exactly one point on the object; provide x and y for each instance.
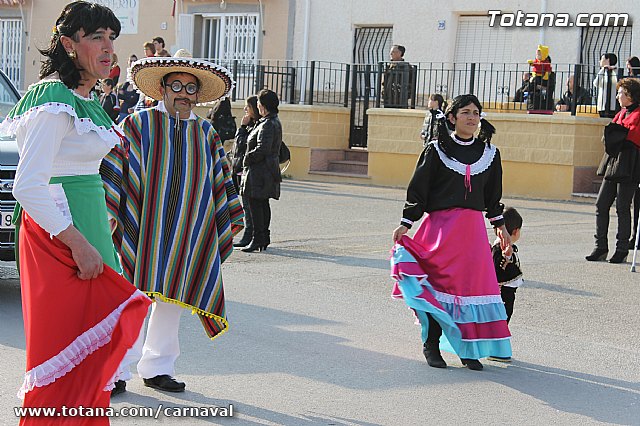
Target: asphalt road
(315, 338)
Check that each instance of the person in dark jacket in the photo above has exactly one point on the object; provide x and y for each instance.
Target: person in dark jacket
(582, 97)
(523, 89)
(128, 97)
(617, 189)
(108, 99)
(249, 120)
(396, 80)
(261, 169)
(222, 119)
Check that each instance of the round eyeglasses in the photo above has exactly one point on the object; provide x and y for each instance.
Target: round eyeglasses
(176, 86)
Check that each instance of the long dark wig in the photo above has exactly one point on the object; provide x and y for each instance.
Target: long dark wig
(75, 16)
(486, 129)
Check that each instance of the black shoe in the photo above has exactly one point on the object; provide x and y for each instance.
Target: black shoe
(433, 356)
(597, 254)
(243, 242)
(472, 364)
(120, 387)
(619, 256)
(165, 382)
(254, 247)
(499, 358)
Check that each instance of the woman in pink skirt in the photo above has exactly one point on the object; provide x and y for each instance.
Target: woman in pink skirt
(445, 272)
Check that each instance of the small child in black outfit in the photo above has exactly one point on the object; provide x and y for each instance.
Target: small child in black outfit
(507, 265)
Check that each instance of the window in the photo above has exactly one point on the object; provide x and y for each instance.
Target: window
(11, 49)
(599, 40)
(228, 37)
(477, 42)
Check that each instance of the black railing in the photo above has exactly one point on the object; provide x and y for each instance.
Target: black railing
(331, 83)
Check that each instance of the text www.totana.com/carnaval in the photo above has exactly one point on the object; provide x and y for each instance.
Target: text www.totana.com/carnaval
(147, 412)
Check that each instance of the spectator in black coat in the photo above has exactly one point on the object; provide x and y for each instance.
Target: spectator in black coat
(249, 121)
(108, 99)
(523, 89)
(261, 169)
(582, 97)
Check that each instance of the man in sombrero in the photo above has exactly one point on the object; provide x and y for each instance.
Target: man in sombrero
(173, 208)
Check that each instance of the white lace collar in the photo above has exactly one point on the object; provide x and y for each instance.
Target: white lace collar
(462, 142)
(478, 167)
(55, 77)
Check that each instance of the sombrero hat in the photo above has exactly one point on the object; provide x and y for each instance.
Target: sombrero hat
(215, 81)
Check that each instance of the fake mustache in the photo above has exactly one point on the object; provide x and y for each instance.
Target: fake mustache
(184, 99)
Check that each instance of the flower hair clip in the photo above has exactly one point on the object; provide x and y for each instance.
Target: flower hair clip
(54, 30)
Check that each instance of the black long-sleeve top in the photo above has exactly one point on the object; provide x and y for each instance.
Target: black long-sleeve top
(240, 146)
(438, 182)
(508, 270)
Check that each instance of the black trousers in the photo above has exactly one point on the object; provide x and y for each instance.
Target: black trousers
(260, 212)
(508, 295)
(248, 225)
(435, 331)
(621, 193)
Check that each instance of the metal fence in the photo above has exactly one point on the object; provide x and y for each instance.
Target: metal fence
(331, 83)
(304, 82)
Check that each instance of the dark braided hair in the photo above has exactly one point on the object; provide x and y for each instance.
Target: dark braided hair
(75, 16)
(486, 129)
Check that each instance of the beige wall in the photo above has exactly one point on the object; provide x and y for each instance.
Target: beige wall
(543, 156)
(152, 15)
(274, 20)
(305, 128)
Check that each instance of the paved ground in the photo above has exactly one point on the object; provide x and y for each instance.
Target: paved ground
(316, 339)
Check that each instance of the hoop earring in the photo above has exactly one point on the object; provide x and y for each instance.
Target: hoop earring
(72, 55)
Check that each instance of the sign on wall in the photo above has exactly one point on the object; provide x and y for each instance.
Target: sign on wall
(126, 11)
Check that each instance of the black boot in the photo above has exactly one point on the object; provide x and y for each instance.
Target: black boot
(619, 256)
(246, 239)
(257, 244)
(120, 386)
(472, 364)
(432, 353)
(267, 239)
(597, 254)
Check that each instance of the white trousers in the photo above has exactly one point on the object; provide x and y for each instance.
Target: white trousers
(157, 354)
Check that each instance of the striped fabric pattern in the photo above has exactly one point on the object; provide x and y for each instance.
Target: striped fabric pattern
(181, 212)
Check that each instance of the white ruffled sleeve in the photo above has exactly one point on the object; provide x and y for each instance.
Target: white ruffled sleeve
(39, 142)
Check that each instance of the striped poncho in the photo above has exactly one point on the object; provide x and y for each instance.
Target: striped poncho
(179, 211)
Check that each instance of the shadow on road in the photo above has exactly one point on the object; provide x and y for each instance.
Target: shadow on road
(251, 415)
(11, 328)
(338, 259)
(559, 289)
(599, 398)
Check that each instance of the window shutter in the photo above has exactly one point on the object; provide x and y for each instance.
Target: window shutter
(476, 41)
(185, 32)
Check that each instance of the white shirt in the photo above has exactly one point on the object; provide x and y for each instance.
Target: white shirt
(51, 146)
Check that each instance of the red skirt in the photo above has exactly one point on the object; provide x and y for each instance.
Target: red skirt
(77, 331)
